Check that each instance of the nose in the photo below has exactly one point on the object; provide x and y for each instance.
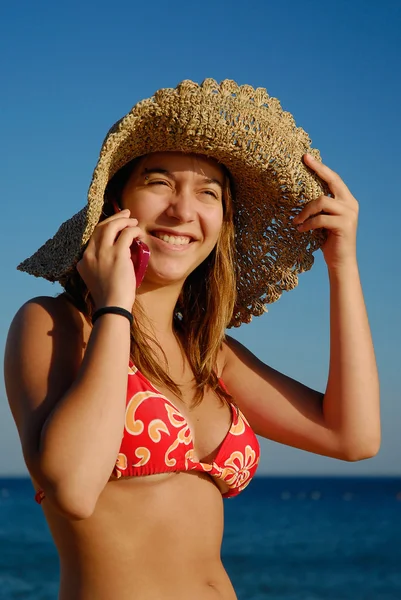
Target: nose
(182, 206)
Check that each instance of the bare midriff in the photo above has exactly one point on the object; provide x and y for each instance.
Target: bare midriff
(149, 538)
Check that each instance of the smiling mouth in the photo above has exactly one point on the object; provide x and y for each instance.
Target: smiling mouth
(174, 240)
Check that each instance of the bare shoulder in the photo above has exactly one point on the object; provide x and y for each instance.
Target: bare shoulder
(55, 309)
(44, 350)
(40, 323)
(235, 355)
(232, 348)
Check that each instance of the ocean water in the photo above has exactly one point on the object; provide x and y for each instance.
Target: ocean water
(285, 539)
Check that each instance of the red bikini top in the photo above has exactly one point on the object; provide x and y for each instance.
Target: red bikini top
(157, 439)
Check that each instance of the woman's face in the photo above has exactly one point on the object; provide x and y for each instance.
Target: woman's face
(178, 201)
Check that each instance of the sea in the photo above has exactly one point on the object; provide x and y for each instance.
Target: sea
(285, 538)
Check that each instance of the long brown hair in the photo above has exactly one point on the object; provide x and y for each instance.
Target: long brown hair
(203, 310)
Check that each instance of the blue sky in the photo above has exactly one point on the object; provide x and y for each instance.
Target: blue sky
(70, 70)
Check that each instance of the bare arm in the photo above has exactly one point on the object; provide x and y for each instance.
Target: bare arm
(344, 422)
(69, 411)
(69, 404)
(351, 402)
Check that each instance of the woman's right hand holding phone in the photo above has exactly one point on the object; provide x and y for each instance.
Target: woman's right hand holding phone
(106, 266)
(80, 386)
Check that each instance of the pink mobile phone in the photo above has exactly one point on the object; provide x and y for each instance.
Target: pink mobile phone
(140, 255)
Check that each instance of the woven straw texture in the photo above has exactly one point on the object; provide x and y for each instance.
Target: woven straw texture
(259, 143)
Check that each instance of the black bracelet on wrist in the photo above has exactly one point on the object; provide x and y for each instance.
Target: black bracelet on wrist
(113, 310)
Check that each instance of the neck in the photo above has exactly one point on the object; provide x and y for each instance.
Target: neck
(158, 304)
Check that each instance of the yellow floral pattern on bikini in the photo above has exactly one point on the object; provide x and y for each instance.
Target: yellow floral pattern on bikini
(121, 464)
(237, 469)
(184, 435)
(133, 425)
(144, 456)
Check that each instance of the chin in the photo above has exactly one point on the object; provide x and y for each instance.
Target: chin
(173, 272)
(165, 277)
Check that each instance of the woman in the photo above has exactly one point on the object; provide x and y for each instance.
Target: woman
(134, 429)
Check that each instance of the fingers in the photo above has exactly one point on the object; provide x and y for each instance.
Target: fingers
(342, 205)
(328, 213)
(125, 213)
(321, 204)
(321, 221)
(127, 236)
(334, 181)
(112, 234)
(107, 232)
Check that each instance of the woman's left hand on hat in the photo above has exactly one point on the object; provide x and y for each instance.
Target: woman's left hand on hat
(337, 214)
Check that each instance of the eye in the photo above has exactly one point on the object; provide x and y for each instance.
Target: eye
(157, 182)
(211, 193)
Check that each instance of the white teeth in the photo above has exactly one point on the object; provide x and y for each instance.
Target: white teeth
(172, 239)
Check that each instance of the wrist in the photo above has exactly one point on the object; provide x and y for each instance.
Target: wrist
(344, 270)
(112, 302)
(115, 311)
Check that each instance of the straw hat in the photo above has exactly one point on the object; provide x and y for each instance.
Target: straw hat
(260, 145)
